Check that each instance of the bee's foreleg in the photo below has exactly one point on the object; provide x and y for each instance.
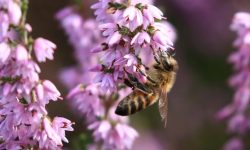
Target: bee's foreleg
(129, 84)
(147, 76)
(131, 77)
(157, 59)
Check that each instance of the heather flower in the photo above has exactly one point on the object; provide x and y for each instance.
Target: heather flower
(83, 36)
(44, 49)
(21, 53)
(14, 12)
(235, 113)
(131, 30)
(128, 32)
(4, 52)
(24, 120)
(51, 135)
(234, 144)
(86, 101)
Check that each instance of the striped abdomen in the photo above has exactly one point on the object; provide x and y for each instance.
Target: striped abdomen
(135, 102)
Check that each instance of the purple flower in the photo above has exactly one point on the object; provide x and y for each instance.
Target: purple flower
(151, 12)
(83, 36)
(238, 120)
(116, 136)
(128, 33)
(141, 38)
(21, 53)
(47, 91)
(234, 144)
(44, 49)
(132, 17)
(24, 119)
(51, 135)
(4, 52)
(14, 12)
(86, 101)
(4, 26)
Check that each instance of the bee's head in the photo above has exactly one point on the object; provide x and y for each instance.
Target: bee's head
(167, 62)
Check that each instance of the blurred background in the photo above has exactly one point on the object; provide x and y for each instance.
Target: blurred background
(203, 45)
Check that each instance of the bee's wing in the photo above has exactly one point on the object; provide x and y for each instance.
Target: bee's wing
(163, 105)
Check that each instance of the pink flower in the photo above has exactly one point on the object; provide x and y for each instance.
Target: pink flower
(151, 12)
(53, 133)
(240, 82)
(50, 91)
(238, 123)
(44, 49)
(132, 17)
(234, 144)
(115, 38)
(241, 21)
(21, 53)
(14, 12)
(86, 101)
(4, 26)
(4, 52)
(24, 120)
(141, 38)
(107, 80)
(61, 125)
(119, 136)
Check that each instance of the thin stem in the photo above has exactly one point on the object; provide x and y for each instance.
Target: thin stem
(24, 8)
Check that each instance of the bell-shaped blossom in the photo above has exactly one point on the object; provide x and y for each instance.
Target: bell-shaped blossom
(44, 49)
(4, 52)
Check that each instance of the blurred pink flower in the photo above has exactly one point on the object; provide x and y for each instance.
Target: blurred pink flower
(234, 144)
(238, 120)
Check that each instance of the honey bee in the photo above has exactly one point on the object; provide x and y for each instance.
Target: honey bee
(160, 80)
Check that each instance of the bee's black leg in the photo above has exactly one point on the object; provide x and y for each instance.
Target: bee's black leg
(147, 76)
(157, 60)
(133, 82)
(131, 77)
(129, 84)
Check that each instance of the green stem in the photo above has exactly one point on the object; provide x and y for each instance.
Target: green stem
(24, 7)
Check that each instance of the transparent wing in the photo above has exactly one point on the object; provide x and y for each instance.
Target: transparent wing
(163, 105)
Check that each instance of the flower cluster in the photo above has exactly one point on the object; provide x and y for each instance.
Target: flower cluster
(131, 28)
(127, 44)
(24, 121)
(109, 130)
(97, 107)
(236, 112)
(83, 36)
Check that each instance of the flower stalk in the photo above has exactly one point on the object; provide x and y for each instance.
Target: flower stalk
(24, 120)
